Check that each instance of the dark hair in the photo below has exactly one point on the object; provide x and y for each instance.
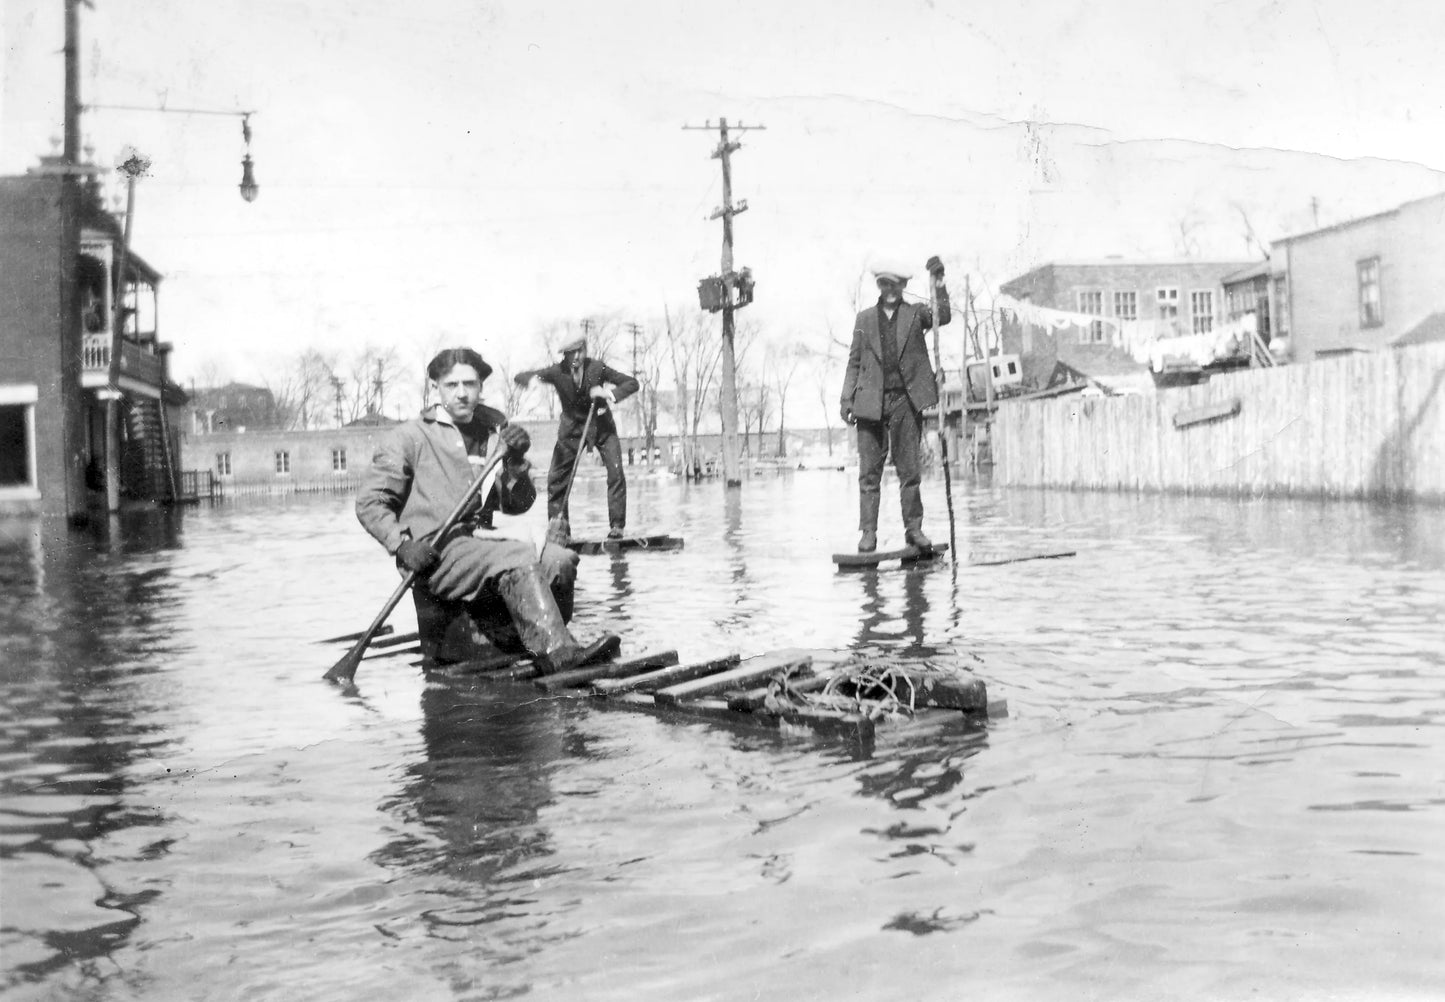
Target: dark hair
(449, 358)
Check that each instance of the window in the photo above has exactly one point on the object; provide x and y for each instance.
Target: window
(223, 464)
(1126, 305)
(15, 445)
(1092, 303)
(1201, 310)
(1371, 313)
(283, 463)
(338, 460)
(1167, 302)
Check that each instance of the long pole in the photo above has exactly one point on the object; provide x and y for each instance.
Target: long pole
(942, 417)
(345, 669)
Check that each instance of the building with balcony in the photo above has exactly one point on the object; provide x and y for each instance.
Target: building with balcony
(87, 408)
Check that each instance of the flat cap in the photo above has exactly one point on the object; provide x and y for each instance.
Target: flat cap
(576, 344)
(891, 268)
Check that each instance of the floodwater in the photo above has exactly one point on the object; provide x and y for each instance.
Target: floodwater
(1221, 775)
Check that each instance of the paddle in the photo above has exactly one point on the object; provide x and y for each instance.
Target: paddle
(345, 669)
(559, 529)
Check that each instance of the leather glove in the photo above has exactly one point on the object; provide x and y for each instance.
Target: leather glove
(418, 555)
(516, 438)
(523, 378)
(935, 267)
(603, 393)
(847, 411)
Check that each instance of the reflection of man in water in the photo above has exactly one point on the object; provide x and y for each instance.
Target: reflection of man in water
(879, 612)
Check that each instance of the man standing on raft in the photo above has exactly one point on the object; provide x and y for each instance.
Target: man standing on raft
(886, 387)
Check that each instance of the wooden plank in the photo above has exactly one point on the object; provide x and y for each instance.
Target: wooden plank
(661, 542)
(967, 694)
(749, 700)
(1209, 412)
(749, 671)
(606, 669)
(653, 680)
(393, 652)
(848, 725)
(907, 554)
(491, 662)
(352, 638)
(1016, 560)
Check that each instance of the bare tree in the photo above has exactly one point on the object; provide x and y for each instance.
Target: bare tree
(694, 349)
(782, 366)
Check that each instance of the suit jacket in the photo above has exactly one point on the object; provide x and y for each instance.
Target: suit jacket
(576, 399)
(421, 469)
(863, 379)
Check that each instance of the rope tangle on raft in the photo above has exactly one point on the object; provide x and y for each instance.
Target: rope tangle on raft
(876, 690)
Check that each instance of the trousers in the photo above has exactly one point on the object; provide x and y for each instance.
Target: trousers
(564, 458)
(901, 434)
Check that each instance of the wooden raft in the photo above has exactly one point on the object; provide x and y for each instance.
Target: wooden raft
(905, 554)
(661, 542)
(734, 688)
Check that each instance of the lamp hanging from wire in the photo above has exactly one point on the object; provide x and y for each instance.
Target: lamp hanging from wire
(249, 188)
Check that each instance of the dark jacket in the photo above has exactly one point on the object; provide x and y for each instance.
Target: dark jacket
(575, 399)
(863, 379)
(421, 470)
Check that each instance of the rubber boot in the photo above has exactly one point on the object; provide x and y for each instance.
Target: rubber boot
(541, 628)
(914, 536)
(868, 522)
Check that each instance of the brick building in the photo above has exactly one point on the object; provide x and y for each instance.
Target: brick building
(87, 408)
(1169, 299)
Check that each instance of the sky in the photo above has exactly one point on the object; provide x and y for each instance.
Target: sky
(473, 172)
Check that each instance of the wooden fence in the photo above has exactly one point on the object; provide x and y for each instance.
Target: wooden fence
(1361, 426)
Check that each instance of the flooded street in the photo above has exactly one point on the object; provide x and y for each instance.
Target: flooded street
(1221, 775)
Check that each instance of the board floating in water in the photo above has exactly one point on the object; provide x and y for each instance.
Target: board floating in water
(591, 547)
(907, 554)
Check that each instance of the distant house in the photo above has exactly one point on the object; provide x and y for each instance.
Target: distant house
(87, 407)
(1369, 283)
(1139, 304)
(233, 407)
(1261, 291)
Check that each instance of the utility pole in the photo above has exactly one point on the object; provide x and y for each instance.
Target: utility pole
(722, 294)
(72, 414)
(336, 386)
(379, 385)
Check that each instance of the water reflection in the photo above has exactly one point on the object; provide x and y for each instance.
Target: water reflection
(893, 613)
(83, 610)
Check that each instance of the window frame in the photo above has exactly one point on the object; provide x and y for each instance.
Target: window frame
(1094, 332)
(283, 459)
(338, 459)
(1133, 300)
(1195, 316)
(23, 396)
(1163, 302)
(223, 464)
(1368, 320)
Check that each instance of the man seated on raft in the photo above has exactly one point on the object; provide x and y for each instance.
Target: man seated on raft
(419, 473)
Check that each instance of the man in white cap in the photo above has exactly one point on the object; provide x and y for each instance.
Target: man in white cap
(583, 382)
(888, 383)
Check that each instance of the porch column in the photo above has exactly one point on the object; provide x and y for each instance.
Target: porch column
(112, 448)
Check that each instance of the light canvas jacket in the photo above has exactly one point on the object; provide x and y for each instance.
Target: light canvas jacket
(421, 469)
